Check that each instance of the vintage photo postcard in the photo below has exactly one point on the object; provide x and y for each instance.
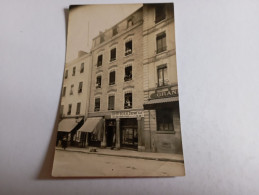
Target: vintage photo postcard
(119, 111)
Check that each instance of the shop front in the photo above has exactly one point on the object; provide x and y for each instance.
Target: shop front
(165, 134)
(124, 129)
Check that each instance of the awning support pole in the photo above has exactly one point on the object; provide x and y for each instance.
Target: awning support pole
(104, 143)
(118, 133)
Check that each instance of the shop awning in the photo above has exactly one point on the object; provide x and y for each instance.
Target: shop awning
(67, 125)
(92, 125)
(155, 102)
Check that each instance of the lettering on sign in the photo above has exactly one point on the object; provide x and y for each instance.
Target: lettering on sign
(168, 92)
(127, 114)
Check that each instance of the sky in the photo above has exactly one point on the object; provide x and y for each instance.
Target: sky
(85, 23)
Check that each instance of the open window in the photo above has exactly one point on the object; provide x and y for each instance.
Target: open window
(66, 74)
(64, 91)
(128, 101)
(99, 60)
(74, 71)
(80, 87)
(128, 48)
(97, 104)
(69, 109)
(82, 67)
(128, 73)
(162, 75)
(71, 89)
(113, 54)
(98, 81)
(112, 78)
(78, 106)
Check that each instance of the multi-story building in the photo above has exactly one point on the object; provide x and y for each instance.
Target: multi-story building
(117, 83)
(162, 120)
(129, 94)
(75, 96)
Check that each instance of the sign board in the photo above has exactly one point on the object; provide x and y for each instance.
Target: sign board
(164, 93)
(128, 114)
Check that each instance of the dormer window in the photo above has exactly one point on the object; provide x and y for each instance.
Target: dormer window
(129, 23)
(115, 31)
(101, 38)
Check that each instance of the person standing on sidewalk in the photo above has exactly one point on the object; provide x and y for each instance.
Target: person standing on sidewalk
(64, 142)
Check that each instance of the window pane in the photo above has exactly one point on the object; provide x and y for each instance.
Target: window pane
(112, 78)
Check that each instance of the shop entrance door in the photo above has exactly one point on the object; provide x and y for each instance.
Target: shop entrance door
(129, 133)
(110, 132)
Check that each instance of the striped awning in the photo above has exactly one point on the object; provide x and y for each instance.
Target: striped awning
(67, 125)
(91, 125)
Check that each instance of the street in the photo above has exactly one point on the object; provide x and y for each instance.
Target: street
(76, 164)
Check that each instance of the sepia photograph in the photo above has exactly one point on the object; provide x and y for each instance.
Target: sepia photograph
(119, 110)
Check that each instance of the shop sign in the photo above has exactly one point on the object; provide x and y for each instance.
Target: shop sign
(165, 93)
(127, 114)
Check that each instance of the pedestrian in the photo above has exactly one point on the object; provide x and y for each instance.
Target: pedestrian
(64, 142)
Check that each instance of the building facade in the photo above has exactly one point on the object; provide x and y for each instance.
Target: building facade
(116, 86)
(128, 94)
(162, 130)
(75, 96)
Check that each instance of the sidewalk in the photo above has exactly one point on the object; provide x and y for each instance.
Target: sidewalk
(128, 153)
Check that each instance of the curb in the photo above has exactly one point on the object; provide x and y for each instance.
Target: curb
(128, 156)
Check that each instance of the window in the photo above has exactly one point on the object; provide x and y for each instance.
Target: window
(113, 54)
(164, 119)
(111, 102)
(78, 108)
(69, 109)
(160, 12)
(99, 60)
(97, 104)
(162, 75)
(80, 87)
(128, 101)
(61, 112)
(66, 74)
(129, 23)
(102, 38)
(82, 67)
(64, 91)
(71, 90)
(74, 71)
(98, 82)
(128, 48)
(112, 78)
(115, 31)
(161, 42)
(128, 73)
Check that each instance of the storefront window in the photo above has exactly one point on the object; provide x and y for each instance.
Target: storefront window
(164, 120)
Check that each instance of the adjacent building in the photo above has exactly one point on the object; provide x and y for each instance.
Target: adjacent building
(162, 130)
(75, 97)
